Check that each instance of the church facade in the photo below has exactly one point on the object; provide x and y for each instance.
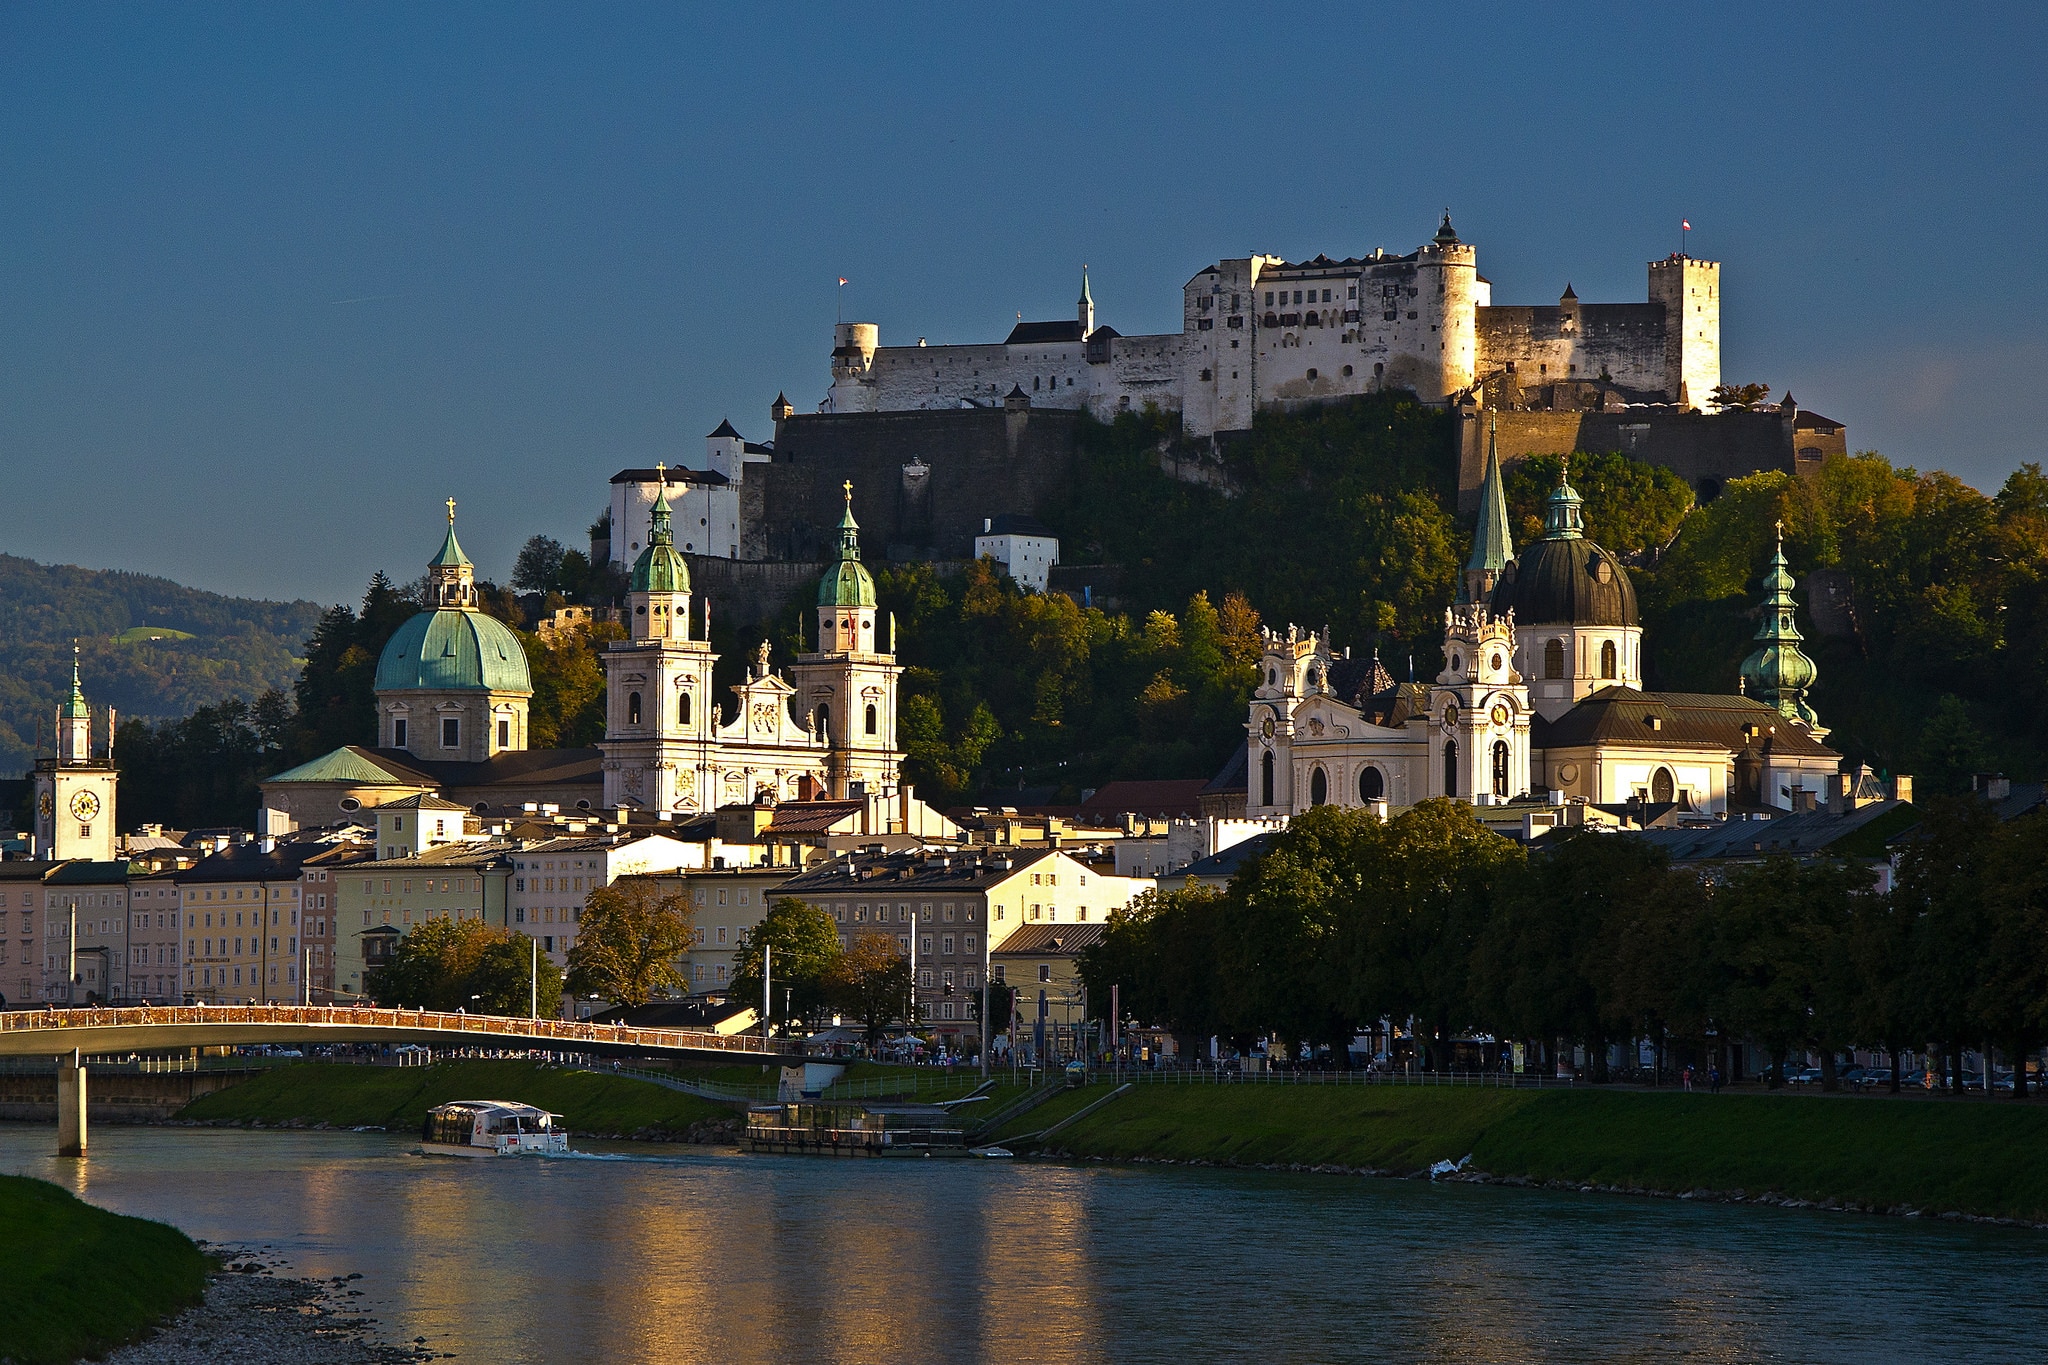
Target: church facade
(1540, 698)
(453, 691)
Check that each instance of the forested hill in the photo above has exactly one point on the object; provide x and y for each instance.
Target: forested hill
(151, 648)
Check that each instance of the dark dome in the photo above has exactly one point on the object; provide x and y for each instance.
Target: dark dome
(1569, 582)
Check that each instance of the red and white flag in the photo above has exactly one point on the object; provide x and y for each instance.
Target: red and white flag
(1683, 226)
(842, 279)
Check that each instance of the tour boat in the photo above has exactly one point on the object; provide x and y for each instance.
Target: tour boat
(492, 1128)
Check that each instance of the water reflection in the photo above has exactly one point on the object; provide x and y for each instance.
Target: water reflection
(683, 1255)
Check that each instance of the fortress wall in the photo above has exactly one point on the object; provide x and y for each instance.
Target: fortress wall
(1623, 340)
(745, 590)
(941, 377)
(1144, 370)
(976, 463)
(1706, 450)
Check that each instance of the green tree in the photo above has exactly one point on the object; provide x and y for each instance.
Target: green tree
(1163, 953)
(1940, 887)
(632, 942)
(539, 565)
(871, 982)
(1632, 508)
(1744, 397)
(568, 706)
(805, 947)
(2012, 997)
(449, 964)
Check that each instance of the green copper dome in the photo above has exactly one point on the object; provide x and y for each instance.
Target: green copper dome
(452, 650)
(1777, 672)
(847, 583)
(660, 568)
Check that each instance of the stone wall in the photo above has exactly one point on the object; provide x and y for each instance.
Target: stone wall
(113, 1096)
(750, 590)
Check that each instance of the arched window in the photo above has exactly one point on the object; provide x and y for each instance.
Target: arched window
(1372, 785)
(1318, 788)
(1450, 767)
(1553, 659)
(1272, 677)
(1457, 663)
(871, 718)
(1500, 768)
(632, 708)
(1663, 787)
(824, 718)
(1607, 659)
(1266, 779)
(682, 708)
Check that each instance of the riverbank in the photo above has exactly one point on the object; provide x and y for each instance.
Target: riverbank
(338, 1095)
(80, 1280)
(1969, 1158)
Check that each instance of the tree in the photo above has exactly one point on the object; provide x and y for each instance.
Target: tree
(1745, 397)
(631, 942)
(450, 964)
(805, 944)
(539, 565)
(871, 982)
(2012, 999)
(1939, 886)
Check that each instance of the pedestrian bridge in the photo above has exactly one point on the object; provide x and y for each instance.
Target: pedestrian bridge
(120, 1030)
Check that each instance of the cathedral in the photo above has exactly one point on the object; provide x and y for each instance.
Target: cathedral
(1540, 698)
(453, 692)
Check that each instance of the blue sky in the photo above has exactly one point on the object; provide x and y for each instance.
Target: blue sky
(276, 279)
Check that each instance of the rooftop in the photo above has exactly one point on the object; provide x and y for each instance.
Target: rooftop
(1045, 940)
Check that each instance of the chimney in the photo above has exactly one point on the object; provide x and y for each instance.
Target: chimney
(1902, 788)
(988, 525)
(267, 844)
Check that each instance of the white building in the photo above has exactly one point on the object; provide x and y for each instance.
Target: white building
(1187, 842)
(551, 880)
(1025, 547)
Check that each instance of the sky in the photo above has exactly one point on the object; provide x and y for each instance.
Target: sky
(275, 280)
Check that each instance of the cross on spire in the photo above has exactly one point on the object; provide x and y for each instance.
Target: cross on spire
(849, 492)
(451, 511)
(660, 471)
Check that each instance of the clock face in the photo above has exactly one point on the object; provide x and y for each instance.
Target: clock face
(85, 805)
(1500, 715)
(47, 805)
(1266, 727)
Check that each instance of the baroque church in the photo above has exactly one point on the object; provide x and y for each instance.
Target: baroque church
(453, 693)
(1540, 699)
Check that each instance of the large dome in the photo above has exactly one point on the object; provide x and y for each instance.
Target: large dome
(453, 651)
(1568, 582)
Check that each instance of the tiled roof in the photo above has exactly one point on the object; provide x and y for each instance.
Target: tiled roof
(674, 474)
(887, 874)
(1176, 796)
(1028, 333)
(1046, 940)
(249, 863)
(90, 874)
(1232, 778)
(1804, 834)
(448, 855)
(1685, 720)
(1017, 524)
(524, 767)
(812, 817)
(358, 766)
(1223, 865)
(424, 801)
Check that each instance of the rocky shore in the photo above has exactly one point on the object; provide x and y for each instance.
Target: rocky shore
(256, 1310)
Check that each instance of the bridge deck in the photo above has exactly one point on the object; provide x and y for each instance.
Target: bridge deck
(158, 1028)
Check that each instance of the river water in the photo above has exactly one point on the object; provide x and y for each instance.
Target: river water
(688, 1254)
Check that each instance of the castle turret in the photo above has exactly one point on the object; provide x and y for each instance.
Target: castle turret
(1447, 282)
(1777, 672)
(853, 360)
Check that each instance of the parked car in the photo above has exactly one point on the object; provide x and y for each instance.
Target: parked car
(1805, 1075)
(1874, 1077)
(1851, 1075)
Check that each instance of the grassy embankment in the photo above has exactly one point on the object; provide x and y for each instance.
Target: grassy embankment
(1936, 1156)
(398, 1097)
(81, 1280)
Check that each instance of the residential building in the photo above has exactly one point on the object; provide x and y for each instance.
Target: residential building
(320, 878)
(1186, 842)
(1042, 963)
(552, 879)
(1025, 546)
(22, 905)
(379, 900)
(949, 909)
(156, 934)
(725, 904)
(242, 907)
(85, 933)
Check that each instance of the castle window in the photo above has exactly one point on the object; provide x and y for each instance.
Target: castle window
(1372, 784)
(1500, 768)
(451, 732)
(1347, 371)
(1311, 373)
(1378, 369)
(1450, 767)
(1607, 659)
(1326, 296)
(682, 708)
(1269, 298)
(1205, 376)
(1352, 292)
(1318, 788)
(398, 732)
(1297, 296)
(1266, 779)
(632, 708)
(1553, 658)
(871, 718)
(1034, 383)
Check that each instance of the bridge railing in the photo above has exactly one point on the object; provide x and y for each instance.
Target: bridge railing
(56, 1023)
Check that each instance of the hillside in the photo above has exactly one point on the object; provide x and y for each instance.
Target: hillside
(151, 648)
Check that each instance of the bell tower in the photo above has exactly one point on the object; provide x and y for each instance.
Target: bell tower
(1478, 711)
(75, 791)
(846, 688)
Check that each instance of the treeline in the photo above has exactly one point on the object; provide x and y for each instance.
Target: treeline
(1432, 922)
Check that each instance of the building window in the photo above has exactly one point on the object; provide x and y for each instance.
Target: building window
(1450, 767)
(632, 708)
(871, 718)
(682, 708)
(398, 732)
(1045, 971)
(1266, 778)
(1318, 788)
(1607, 659)
(1553, 659)
(1372, 784)
(504, 734)
(451, 732)
(1500, 768)
(1663, 787)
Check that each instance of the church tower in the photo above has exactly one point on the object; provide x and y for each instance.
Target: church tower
(1478, 711)
(1086, 306)
(847, 687)
(74, 792)
(1492, 546)
(1777, 672)
(658, 723)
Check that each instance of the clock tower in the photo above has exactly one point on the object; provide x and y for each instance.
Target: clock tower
(75, 791)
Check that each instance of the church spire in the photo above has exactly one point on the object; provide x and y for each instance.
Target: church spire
(1087, 306)
(1778, 672)
(74, 721)
(1563, 512)
(451, 578)
(847, 583)
(1492, 545)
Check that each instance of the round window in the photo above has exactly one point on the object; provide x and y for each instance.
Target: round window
(350, 803)
(1496, 663)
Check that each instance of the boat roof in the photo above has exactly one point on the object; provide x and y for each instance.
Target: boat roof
(511, 1106)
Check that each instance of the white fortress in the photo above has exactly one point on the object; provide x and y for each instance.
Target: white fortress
(1262, 332)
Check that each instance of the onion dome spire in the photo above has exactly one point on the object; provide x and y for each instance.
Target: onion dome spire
(1564, 510)
(659, 568)
(847, 583)
(1777, 672)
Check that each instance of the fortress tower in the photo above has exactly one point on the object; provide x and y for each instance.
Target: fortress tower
(853, 362)
(1690, 291)
(1447, 286)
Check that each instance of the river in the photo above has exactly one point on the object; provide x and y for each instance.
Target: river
(690, 1254)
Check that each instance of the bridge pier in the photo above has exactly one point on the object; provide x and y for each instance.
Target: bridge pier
(71, 1105)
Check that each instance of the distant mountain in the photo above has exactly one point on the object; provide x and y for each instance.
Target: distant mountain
(150, 648)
